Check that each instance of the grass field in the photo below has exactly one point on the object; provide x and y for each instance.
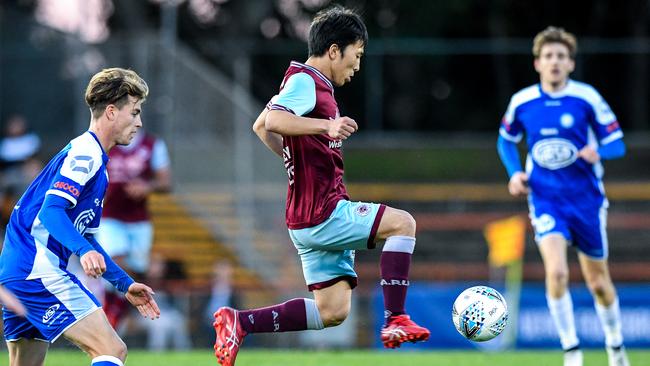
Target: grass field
(345, 358)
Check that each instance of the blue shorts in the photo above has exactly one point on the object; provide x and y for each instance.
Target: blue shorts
(132, 240)
(327, 249)
(53, 305)
(582, 222)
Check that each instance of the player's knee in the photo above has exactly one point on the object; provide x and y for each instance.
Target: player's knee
(116, 348)
(599, 286)
(335, 317)
(122, 351)
(558, 276)
(404, 224)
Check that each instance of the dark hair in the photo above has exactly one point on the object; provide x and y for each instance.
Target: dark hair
(335, 25)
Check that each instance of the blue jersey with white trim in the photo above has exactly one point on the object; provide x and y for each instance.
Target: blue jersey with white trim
(557, 126)
(78, 174)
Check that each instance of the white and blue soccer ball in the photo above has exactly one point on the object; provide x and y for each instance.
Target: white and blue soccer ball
(480, 313)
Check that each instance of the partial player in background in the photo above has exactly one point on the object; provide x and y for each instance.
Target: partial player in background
(569, 129)
(136, 171)
(303, 126)
(58, 216)
(19, 164)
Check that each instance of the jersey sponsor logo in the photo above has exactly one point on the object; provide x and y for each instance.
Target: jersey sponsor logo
(544, 223)
(288, 163)
(83, 220)
(566, 120)
(67, 187)
(82, 163)
(336, 144)
(554, 153)
(49, 313)
(548, 131)
(362, 210)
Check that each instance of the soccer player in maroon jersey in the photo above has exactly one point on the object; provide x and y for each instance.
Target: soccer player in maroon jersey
(302, 125)
(136, 171)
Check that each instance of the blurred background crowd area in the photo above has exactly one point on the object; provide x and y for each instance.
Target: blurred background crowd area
(434, 84)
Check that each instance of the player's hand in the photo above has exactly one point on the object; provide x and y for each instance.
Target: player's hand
(341, 128)
(137, 189)
(93, 263)
(589, 154)
(518, 185)
(141, 296)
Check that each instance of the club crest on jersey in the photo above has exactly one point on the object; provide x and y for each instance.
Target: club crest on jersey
(554, 153)
(362, 210)
(566, 120)
(82, 163)
(83, 220)
(49, 313)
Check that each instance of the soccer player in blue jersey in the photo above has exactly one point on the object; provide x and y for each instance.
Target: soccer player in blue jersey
(58, 216)
(569, 129)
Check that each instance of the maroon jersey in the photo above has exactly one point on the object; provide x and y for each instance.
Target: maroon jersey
(314, 163)
(127, 163)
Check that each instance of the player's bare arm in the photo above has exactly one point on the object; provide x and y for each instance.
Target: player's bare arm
(288, 124)
(518, 184)
(139, 189)
(272, 140)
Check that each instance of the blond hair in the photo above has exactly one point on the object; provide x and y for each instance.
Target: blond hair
(113, 86)
(555, 35)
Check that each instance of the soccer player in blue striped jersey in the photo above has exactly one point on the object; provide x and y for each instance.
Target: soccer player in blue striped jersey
(58, 216)
(569, 129)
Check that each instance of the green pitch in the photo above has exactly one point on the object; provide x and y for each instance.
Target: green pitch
(343, 358)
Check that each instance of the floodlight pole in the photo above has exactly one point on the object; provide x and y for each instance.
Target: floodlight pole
(168, 30)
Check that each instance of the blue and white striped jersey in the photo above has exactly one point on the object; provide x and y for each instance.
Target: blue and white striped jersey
(557, 125)
(78, 174)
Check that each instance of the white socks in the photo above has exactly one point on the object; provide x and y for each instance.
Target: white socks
(610, 319)
(106, 361)
(314, 320)
(562, 313)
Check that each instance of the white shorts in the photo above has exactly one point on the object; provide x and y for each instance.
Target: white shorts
(132, 240)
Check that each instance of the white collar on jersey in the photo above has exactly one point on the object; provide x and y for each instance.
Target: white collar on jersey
(560, 93)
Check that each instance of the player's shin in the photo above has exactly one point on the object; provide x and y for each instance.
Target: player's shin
(562, 313)
(610, 319)
(394, 265)
(293, 315)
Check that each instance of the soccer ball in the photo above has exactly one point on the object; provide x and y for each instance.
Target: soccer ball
(480, 313)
